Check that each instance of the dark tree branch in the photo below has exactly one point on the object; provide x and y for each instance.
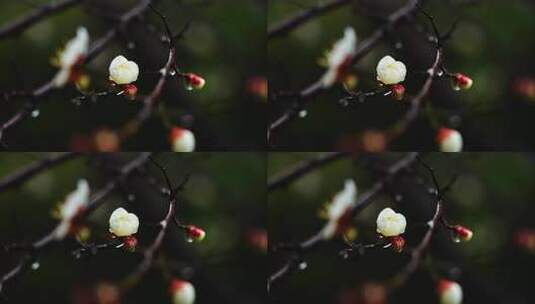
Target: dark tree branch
(152, 99)
(20, 176)
(17, 26)
(285, 178)
(300, 18)
(150, 252)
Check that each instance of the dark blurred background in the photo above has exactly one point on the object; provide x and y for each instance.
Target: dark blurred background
(493, 44)
(225, 44)
(225, 196)
(493, 195)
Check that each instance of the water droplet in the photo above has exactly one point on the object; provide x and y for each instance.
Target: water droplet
(35, 265)
(440, 73)
(131, 45)
(398, 45)
(188, 86)
(432, 191)
(172, 72)
(303, 113)
(455, 238)
(131, 197)
(303, 265)
(398, 197)
(35, 113)
(189, 239)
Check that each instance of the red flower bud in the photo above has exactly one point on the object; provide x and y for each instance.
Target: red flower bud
(463, 233)
(398, 91)
(449, 140)
(130, 91)
(449, 292)
(195, 233)
(182, 140)
(130, 243)
(462, 81)
(182, 292)
(398, 243)
(194, 81)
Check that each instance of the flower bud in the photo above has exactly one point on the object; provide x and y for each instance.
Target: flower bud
(182, 140)
(461, 81)
(398, 243)
(123, 71)
(130, 91)
(123, 223)
(194, 81)
(182, 292)
(390, 71)
(449, 292)
(398, 91)
(449, 140)
(464, 234)
(130, 243)
(195, 233)
(390, 223)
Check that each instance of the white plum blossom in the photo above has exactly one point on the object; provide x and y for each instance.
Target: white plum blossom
(390, 71)
(182, 292)
(390, 223)
(338, 208)
(123, 223)
(182, 140)
(449, 140)
(123, 71)
(339, 57)
(450, 292)
(75, 203)
(73, 54)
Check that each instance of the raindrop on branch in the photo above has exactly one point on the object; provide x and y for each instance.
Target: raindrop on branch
(35, 265)
(35, 113)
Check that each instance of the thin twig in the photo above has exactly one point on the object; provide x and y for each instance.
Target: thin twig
(150, 252)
